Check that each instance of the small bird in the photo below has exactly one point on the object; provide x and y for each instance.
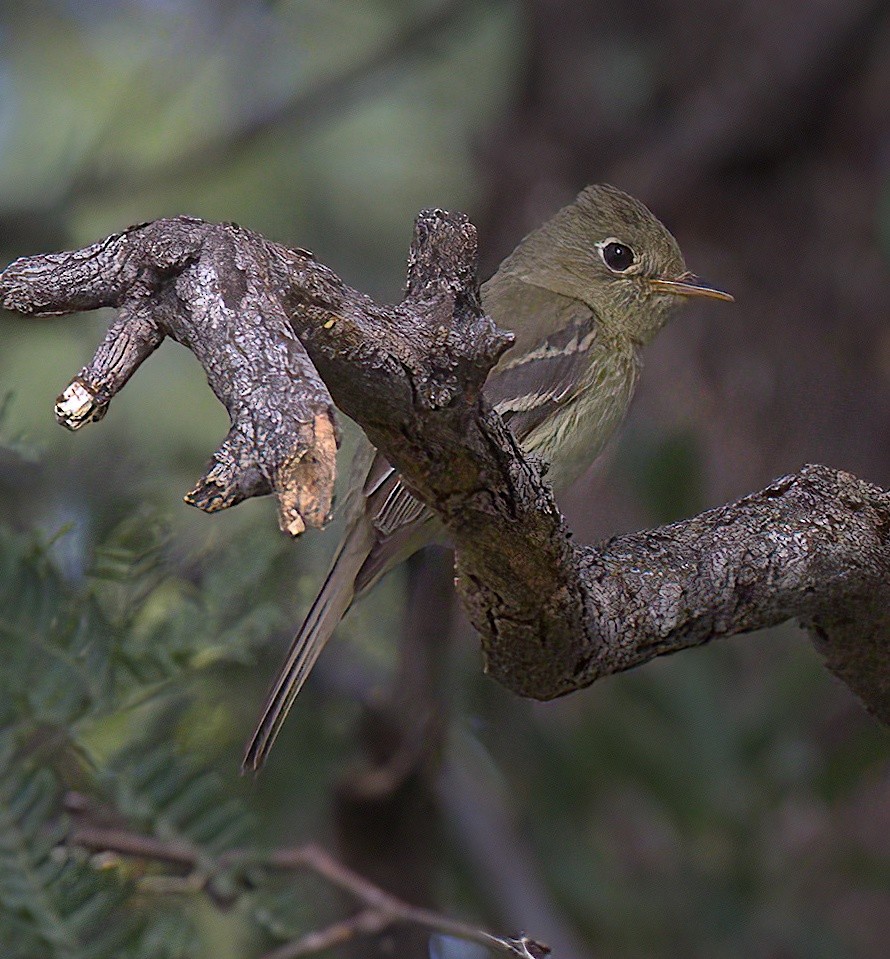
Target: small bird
(582, 294)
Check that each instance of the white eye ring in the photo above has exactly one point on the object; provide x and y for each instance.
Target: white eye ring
(618, 256)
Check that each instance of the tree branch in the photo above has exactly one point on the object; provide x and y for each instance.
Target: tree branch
(552, 617)
(166, 278)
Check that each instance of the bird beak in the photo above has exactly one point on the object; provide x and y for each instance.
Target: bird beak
(688, 284)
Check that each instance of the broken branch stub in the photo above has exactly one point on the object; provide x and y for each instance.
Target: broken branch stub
(206, 286)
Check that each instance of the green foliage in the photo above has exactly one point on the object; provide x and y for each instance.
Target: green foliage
(96, 693)
(54, 901)
(74, 653)
(58, 647)
(117, 652)
(163, 793)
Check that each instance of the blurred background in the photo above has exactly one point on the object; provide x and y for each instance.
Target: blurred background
(731, 801)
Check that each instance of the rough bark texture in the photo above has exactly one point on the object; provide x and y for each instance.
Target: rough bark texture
(553, 617)
(199, 283)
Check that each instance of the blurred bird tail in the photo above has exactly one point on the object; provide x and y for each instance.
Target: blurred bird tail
(330, 606)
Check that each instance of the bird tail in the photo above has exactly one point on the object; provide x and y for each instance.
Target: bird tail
(330, 606)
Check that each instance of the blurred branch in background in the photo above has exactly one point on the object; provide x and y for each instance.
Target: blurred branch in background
(385, 809)
(320, 102)
(236, 873)
(481, 818)
(752, 106)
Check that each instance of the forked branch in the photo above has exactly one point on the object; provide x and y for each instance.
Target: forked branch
(552, 616)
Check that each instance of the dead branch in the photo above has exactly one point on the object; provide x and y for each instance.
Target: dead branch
(553, 617)
(165, 279)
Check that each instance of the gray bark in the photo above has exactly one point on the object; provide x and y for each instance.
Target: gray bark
(197, 283)
(552, 616)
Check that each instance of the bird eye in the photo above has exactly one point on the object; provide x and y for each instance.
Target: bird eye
(617, 256)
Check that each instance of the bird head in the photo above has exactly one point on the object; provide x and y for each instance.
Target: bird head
(608, 250)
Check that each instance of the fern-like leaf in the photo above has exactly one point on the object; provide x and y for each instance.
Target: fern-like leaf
(52, 904)
(162, 792)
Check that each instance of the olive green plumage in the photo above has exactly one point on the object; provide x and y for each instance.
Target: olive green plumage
(583, 294)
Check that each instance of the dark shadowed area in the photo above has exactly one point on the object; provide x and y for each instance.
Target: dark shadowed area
(729, 801)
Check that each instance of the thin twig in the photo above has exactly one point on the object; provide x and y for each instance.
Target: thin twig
(320, 862)
(381, 909)
(99, 839)
(368, 922)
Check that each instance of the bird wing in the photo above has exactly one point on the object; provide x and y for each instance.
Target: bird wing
(388, 502)
(529, 383)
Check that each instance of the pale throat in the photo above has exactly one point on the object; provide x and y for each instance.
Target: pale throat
(637, 317)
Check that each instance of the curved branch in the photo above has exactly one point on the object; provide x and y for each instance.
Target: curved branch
(553, 617)
(812, 546)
